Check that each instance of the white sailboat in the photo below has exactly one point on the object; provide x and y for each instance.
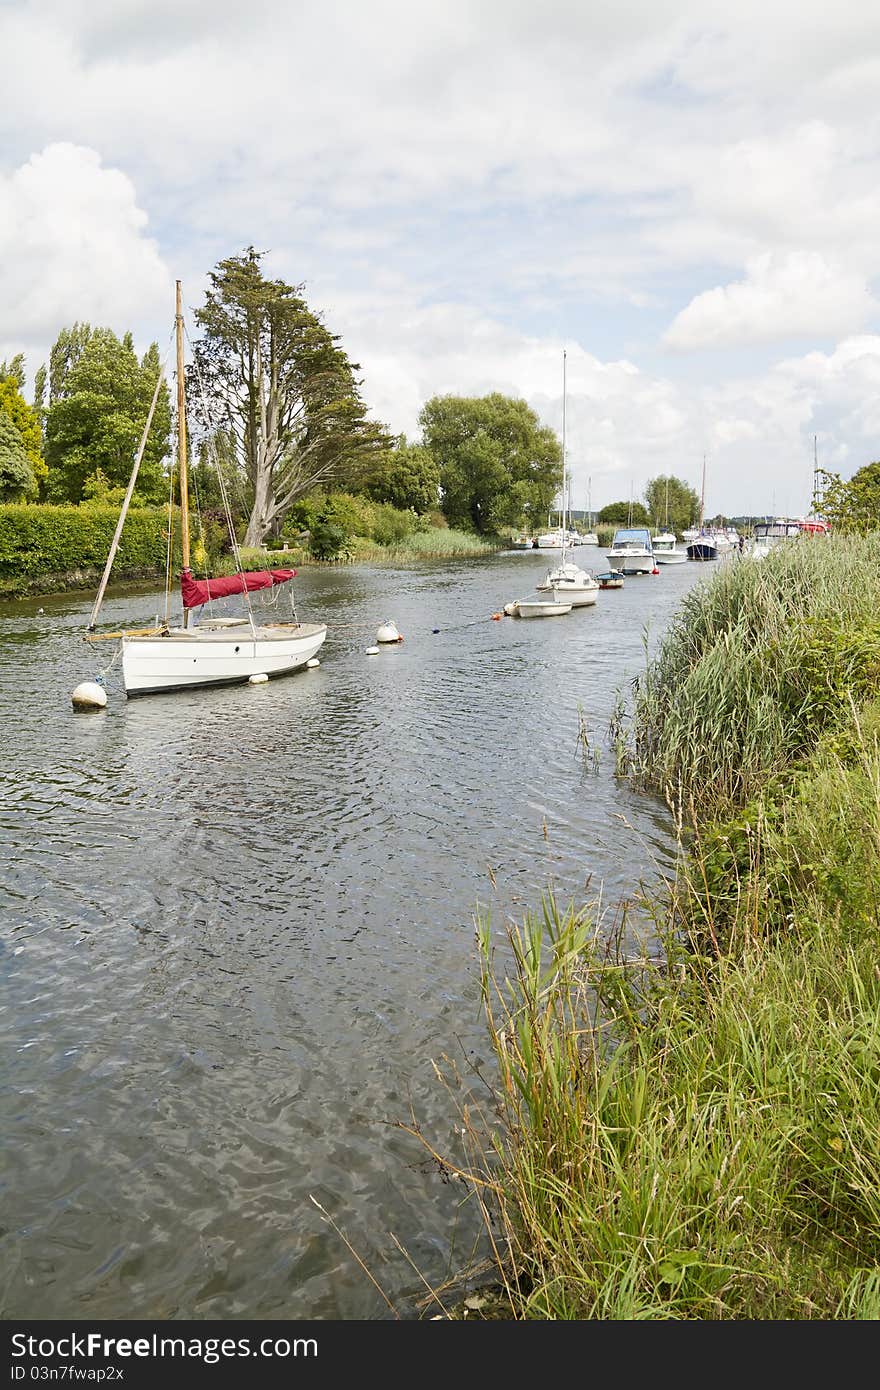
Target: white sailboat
(219, 650)
(703, 546)
(566, 580)
(665, 545)
(589, 537)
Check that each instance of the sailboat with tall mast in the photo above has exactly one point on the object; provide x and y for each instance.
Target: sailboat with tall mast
(703, 546)
(566, 580)
(665, 545)
(589, 537)
(218, 650)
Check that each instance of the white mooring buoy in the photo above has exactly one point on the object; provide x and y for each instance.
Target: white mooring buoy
(372, 651)
(257, 680)
(313, 663)
(89, 695)
(388, 632)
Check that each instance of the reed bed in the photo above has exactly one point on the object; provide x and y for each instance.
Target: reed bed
(692, 1130)
(440, 543)
(755, 664)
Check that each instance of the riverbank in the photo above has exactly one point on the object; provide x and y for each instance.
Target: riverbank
(23, 577)
(693, 1130)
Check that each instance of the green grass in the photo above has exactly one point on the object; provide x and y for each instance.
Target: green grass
(436, 544)
(692, 1131)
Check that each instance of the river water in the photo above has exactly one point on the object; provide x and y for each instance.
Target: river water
(238, 927)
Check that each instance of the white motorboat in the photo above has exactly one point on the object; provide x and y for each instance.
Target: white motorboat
(551, 540)
(666, 549)
(631, 551)
(537, 608)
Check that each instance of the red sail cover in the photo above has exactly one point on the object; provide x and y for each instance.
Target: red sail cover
(198, 591)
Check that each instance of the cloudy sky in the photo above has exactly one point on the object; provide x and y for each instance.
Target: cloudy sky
(683, 196)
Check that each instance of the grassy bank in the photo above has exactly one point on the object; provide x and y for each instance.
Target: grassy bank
(695, 1133)
(25, 571)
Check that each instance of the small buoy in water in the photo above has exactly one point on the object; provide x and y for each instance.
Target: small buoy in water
(89, 695)
(372, 651)
(40, 610)
(510, 609)
(388, 632)
(655, 570)
(496, 617)
(257, 680)
(435, 629)
(313, 663)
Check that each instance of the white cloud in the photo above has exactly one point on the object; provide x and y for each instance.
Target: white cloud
(796, 295)
(465, 188)
(73, 245)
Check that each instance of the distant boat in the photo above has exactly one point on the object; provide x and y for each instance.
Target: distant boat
(612, 579)
(522, 543)
(551, 540)
(631, 551)
(537, 608)
(666, 549)
(589, 537)
(567, 580)
(704, 547)
(665, 546)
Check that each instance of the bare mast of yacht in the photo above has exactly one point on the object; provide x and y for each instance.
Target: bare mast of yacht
(181, 440)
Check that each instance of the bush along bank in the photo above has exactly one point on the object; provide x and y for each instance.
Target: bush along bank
(695, 1133)
(46, 548)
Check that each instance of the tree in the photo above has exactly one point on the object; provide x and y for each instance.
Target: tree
(99, 400)
(408, 477)
(499, 466)
(625, 514)
(272, 378)
(672, 502)
(853, 505)
(23, 417)
(17, 481)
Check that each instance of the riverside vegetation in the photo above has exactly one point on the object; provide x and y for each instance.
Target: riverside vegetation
(692, 1131)
(47, 548)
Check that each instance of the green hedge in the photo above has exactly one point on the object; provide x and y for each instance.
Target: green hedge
(44, 540)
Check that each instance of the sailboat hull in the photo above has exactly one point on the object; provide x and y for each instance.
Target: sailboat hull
(189, 658)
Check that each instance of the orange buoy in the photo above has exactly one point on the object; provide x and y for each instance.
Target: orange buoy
(496, 617)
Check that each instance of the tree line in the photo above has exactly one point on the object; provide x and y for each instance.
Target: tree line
(276, 415)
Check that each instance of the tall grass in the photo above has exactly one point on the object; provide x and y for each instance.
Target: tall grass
(693, 1131)
(438, 543)
(754, 665)
(682, 1143)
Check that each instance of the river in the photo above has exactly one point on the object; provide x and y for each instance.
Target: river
(238, 927)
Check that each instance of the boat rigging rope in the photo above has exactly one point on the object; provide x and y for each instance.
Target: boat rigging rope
(224, 494)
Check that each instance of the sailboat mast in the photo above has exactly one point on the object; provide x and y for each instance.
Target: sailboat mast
(181, 432)
(181, 440)
(703, 494)
(564, 468)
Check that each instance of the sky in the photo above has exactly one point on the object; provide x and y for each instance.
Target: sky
(662, 214)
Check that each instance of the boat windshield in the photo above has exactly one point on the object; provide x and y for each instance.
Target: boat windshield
(634, 536)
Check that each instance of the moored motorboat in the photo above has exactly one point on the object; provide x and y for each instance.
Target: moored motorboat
(666, 549)
(537, 608)
(611, 579)
(703, 547)
(631, 551)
